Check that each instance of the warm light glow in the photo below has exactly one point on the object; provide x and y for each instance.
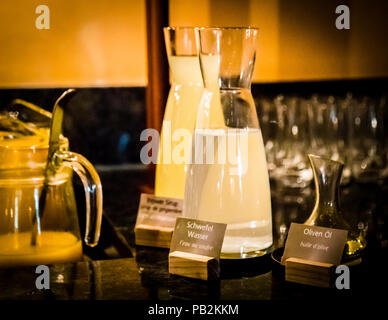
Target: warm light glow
(298, 39)
(89, 43)
(103, 43)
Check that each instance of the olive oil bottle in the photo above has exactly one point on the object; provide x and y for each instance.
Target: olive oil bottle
(326, 212)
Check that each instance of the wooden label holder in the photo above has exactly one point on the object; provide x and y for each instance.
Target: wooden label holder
(309, 272)
(156, 220)
(193, 265)
(311, 254)
(195, 249)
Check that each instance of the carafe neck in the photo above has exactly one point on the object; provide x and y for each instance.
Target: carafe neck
(227, 57)
(327, 176)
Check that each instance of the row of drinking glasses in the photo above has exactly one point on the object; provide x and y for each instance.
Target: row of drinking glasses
(348, 128)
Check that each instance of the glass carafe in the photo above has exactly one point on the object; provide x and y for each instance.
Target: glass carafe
(228, 181)
(326, 211)
(181, 110)
(23, 156)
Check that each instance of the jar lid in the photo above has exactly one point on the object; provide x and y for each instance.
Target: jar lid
(23, 145)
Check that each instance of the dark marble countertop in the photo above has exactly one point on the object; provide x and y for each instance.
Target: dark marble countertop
(143, 274)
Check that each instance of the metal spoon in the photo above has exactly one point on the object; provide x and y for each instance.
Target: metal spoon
(54, 144)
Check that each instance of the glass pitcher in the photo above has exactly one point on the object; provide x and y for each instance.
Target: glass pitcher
(23, 157)
(228, 181)
(181, 110)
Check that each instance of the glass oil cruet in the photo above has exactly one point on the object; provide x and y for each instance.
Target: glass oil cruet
(181, 110)
(227, 181)
(326, 212)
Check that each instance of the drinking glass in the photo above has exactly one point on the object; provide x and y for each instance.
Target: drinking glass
(328, 129)
(367, 138)
(292, 170)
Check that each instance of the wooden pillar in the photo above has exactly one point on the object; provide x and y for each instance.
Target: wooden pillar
(158, 76)
(158, 73)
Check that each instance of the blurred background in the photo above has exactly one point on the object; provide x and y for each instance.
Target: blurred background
(317, 89)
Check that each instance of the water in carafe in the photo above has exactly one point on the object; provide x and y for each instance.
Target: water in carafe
(228, 179)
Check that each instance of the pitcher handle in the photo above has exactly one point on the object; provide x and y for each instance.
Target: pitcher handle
(93, 191)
